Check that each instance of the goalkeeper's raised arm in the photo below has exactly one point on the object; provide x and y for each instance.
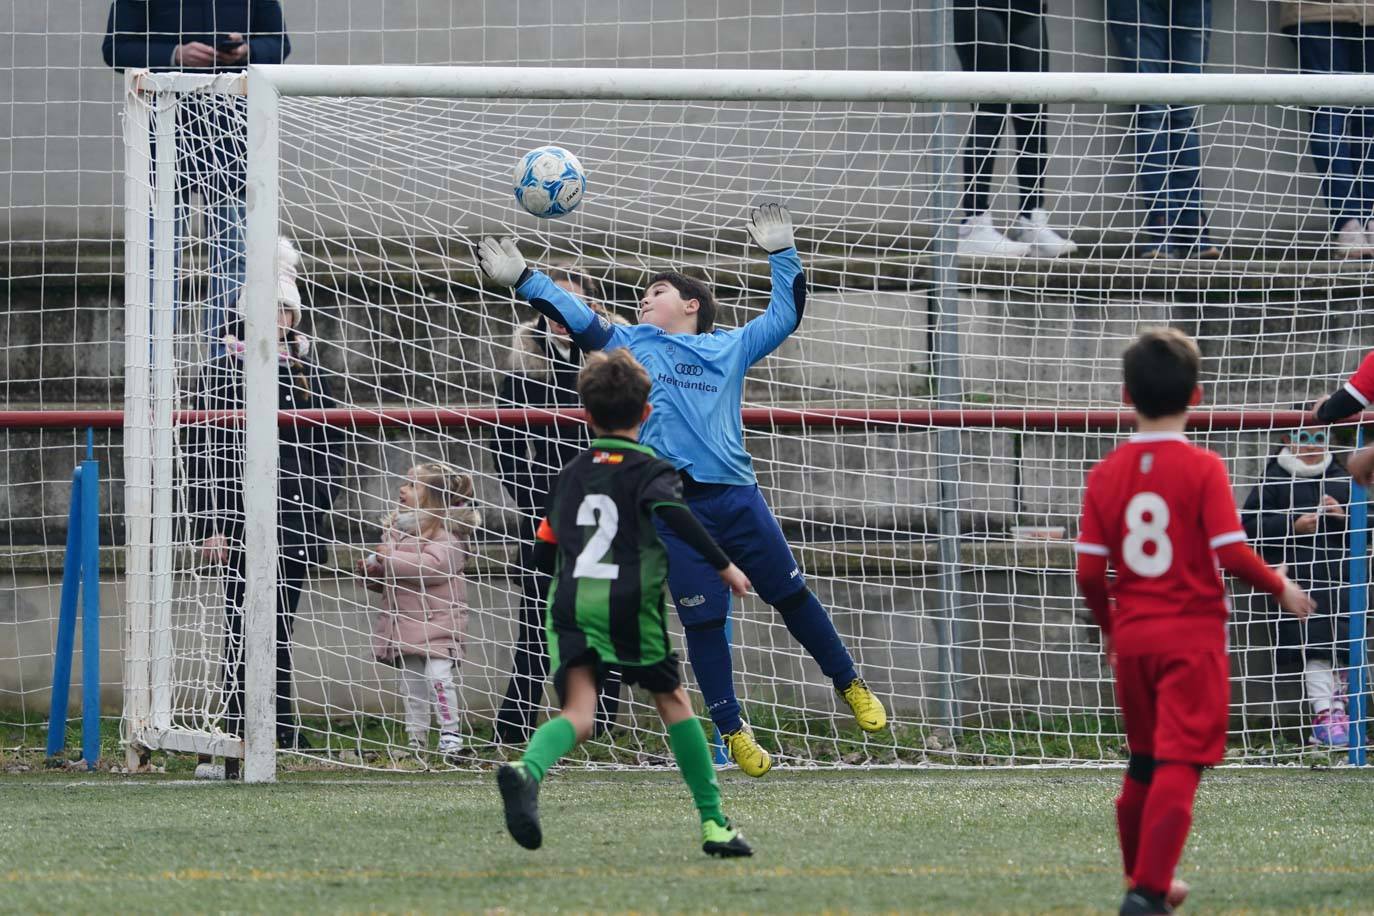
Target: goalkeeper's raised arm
(502, 261)
(771, 227)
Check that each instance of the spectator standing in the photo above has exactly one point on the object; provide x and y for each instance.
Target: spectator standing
(1005, 36)
(1297, 518)
(309, 465)
(1166, 36)
(1333, 37)
(204, 36)
(544, 363)
(418, 567)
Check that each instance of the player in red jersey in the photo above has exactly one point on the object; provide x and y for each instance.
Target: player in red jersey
(1348, 400)
(1159, 511)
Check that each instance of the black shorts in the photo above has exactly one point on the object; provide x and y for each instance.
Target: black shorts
(661, 677)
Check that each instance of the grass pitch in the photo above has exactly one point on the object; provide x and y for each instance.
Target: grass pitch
(984, 842)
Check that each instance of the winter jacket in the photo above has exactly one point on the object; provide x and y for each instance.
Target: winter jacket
(310, 458)
(424, 593)
(1315, 561)
(144, 33)
(528, 460)
(1291, 12)
(212, 131)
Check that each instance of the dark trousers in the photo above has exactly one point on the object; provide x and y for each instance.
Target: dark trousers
(530, 663)
(291, 575)
(1342, 139)
(1166, 36)
(1002, 41)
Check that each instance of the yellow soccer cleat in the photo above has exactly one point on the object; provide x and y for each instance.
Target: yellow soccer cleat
(753, 760)
(868, 709)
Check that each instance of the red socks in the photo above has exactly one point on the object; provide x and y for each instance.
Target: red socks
(1130, 805)
(1164, 819)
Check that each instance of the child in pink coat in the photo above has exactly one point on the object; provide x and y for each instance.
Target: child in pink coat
(418, 568)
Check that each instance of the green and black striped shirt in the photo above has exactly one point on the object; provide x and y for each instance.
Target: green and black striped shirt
(612, 566)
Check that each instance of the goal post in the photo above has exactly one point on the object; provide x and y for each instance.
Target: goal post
(922, 437)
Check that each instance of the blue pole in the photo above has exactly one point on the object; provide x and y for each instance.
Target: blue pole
(1359, 601)
(90, 612)
(66, 625)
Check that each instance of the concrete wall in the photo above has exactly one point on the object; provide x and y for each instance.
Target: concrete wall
(64, 155)
(1026, 645)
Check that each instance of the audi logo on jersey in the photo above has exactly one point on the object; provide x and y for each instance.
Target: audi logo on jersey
(688, 369)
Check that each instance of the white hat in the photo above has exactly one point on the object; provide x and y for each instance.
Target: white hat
(288, 258)
(289, 298)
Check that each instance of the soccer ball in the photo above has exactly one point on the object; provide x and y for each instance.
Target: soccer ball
(549, 182)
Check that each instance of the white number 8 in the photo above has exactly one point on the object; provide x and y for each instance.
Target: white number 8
(1140, 532)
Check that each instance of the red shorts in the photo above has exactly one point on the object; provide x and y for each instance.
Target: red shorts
(1176, 705)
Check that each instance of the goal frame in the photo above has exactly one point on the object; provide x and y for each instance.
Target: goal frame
(150, 373)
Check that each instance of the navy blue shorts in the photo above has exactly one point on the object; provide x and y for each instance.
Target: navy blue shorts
(744, 527)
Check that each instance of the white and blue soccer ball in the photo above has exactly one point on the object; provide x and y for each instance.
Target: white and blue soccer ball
(549, 182)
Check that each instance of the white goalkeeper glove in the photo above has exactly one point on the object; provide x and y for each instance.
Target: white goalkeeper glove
(771, 227)
(501, 260)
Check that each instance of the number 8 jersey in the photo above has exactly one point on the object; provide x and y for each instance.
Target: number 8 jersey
(1158, 507)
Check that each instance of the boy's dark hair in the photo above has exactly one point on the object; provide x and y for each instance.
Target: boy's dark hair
(1161, 370)
(691, 288)
(614, 389)
(591, 289)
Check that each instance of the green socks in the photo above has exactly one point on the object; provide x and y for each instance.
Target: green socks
(557, 737)
(688, 742)
(551, 741)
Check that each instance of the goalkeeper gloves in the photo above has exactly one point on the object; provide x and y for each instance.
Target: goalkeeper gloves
(501, 260)
(771, 227)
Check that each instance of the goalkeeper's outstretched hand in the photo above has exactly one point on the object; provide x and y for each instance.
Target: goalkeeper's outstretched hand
(771, 227)
(501, 260)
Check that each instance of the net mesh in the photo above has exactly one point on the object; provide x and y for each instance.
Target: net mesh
(978, 644)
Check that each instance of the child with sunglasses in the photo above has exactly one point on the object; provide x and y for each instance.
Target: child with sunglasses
(1297, 516)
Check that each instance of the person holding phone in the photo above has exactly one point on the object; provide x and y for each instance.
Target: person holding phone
(202, 36)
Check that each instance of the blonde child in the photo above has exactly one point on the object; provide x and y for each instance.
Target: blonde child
(418, 568)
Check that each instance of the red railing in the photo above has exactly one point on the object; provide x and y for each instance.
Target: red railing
(839, 418)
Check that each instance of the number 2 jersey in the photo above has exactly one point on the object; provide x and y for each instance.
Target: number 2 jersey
(1159, 508)
(611, 567)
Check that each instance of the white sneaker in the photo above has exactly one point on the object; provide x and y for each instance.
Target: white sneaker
(450, 745)
(1044, 242)
(1351, 240)
(978, 238)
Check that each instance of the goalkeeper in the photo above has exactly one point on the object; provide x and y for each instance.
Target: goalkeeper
(698, 373)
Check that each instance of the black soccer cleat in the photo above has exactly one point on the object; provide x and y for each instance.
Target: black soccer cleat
(1140, 902)
(520, 794)
(723, 841)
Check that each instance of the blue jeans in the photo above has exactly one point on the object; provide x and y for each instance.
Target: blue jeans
(224, 237)
(1165, 36)
(1342, 141)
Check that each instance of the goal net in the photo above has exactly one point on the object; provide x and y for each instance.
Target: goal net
(922, 437)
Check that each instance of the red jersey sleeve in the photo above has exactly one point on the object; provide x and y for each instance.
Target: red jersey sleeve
(1220, 519)
(1361, 384)
(1092, 536)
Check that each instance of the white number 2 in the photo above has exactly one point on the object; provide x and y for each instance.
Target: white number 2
(1140, 531)
(599, 510)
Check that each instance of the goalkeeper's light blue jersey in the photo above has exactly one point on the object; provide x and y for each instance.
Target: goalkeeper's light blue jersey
(698, 379)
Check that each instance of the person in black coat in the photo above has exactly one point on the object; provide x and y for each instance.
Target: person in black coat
(544, 363)
(204, 36)
(310, 460)
(1297, 516)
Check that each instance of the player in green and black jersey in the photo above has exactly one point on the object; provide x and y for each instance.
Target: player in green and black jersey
(606, 605)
